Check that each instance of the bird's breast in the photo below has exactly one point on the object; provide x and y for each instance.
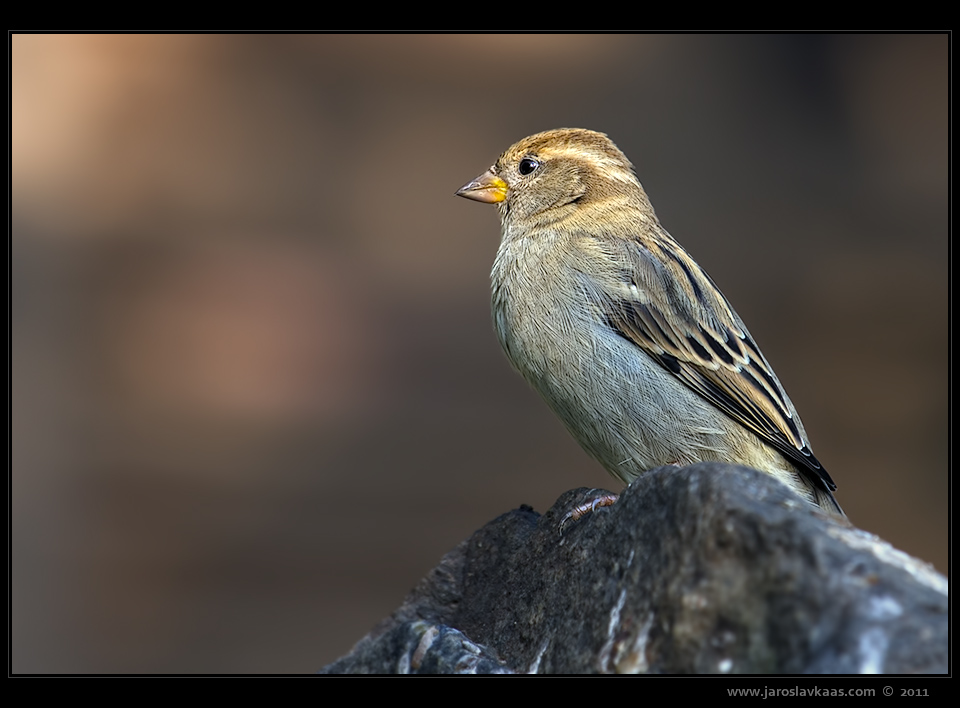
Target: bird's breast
(535, 311)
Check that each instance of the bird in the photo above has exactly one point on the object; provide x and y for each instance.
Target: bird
(622, 333)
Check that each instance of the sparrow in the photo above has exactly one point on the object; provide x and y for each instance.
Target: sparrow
(625, 337)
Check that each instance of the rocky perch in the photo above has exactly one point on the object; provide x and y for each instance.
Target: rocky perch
(711, 568)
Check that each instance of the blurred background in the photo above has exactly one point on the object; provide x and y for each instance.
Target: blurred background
(256, 391)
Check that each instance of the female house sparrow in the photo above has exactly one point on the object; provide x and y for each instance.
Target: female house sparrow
(626, 338)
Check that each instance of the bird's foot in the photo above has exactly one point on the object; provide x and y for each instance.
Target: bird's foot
(581, 510)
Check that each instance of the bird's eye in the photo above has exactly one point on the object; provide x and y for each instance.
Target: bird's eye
(528, 165)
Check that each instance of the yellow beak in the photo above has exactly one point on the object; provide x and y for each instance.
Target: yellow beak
(487, 188)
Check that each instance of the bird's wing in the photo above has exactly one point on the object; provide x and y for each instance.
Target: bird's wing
(671, 309)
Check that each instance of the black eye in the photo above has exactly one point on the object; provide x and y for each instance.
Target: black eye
(528, 165)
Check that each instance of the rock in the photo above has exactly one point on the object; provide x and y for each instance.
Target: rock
(710, 568)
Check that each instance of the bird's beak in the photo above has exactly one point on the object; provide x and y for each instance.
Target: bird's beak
(487, 188)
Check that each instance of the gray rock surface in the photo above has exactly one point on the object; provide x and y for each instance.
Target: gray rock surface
(710, 568)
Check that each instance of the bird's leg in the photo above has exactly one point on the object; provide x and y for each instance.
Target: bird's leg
(581, 510)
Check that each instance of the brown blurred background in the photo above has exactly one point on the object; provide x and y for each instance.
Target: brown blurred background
(256, 392)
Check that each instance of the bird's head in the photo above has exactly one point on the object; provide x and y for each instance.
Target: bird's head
(557, 175)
